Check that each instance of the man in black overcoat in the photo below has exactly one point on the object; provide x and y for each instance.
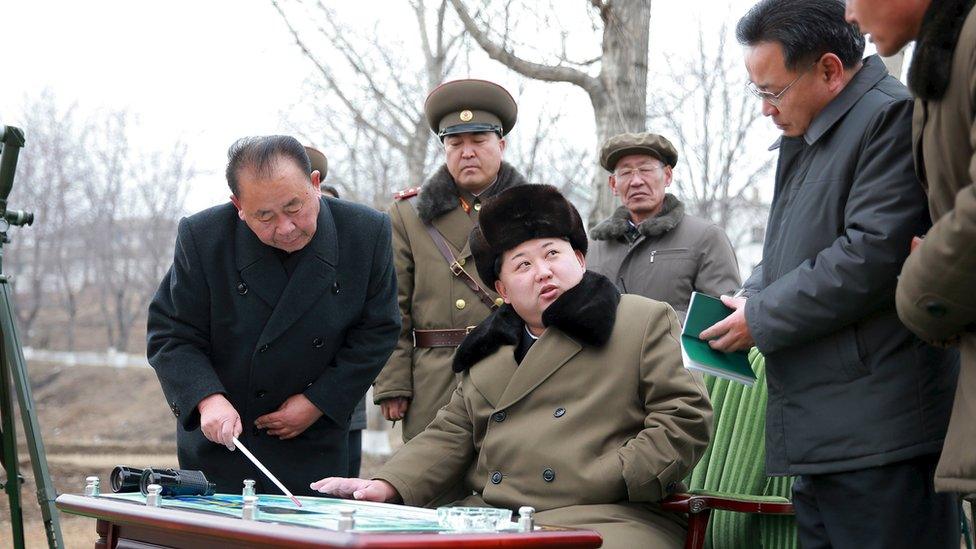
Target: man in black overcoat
(278, 312)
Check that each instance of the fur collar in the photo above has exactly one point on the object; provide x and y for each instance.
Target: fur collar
(616, 226)
(439, 194)
(928, 76)
(586, 312)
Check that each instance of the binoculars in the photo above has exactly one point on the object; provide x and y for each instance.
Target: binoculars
(175, 482)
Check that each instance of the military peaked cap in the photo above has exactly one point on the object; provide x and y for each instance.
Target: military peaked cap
(466, 106)
(319, 161)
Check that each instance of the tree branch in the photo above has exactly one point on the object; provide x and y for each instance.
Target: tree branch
(538, 71)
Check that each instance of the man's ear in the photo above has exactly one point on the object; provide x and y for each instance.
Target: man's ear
(316, 179)
(501, 143)
(501, 290)
(832, 70)
(237, 204)
(668, 175)
(612, 181)
(581, 258)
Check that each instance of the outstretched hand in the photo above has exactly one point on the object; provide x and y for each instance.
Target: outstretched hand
(356, 488)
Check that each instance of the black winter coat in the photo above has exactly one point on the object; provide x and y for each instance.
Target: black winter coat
(227, 319)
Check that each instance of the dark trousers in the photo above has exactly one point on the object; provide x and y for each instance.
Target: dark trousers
(889, 507)
(355, 452)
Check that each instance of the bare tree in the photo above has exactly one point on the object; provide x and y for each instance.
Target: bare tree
(134, 201)
(713, 121)
(369, 109)
(46, 184)
(617, 89)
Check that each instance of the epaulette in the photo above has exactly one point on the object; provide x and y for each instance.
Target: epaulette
(406, 193)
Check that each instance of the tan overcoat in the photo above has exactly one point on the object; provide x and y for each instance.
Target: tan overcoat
(936, 294)
(590, 434)
(430, 296)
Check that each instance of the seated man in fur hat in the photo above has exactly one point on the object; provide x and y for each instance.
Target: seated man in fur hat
(572, 398)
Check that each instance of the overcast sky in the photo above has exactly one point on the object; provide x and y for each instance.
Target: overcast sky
(210, 71)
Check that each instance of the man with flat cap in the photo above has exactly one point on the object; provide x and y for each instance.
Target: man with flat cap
(572, 398)
(440, 293)
(650, 246)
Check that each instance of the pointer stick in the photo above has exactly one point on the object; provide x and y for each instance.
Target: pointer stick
(265, 470)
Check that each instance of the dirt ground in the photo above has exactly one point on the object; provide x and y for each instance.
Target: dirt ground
(92, 419)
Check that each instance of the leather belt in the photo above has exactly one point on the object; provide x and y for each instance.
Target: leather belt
(426, 339)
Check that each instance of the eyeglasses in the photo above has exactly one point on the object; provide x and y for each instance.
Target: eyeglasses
(645, 171)
(774, 99)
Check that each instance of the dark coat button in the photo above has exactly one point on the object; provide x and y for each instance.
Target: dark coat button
(498, 416)
(496, 478)
(263, 349)
(548, 475)
(318, 342)
(175, 409)
(241, 288)
(560, 412)
(261, 394)
(936, 309)
(335, 287)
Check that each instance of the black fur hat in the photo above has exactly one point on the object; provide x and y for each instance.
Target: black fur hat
(521, 213)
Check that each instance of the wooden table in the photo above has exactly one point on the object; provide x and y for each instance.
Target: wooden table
(123, 524)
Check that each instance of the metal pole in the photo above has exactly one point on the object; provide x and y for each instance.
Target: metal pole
(12, 483)
(12, 359)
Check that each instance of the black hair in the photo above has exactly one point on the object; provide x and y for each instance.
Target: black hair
(329, 189)
(261, 153)
(806, 29)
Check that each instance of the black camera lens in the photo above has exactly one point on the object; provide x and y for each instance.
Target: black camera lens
(177, 482)
(125, 479)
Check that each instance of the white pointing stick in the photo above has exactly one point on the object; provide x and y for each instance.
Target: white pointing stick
(265, 470)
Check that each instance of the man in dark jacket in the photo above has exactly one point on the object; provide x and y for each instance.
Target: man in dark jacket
(858, 406)
(278, 312)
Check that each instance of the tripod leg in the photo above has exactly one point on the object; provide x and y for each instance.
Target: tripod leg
(13, 358)
(9, 446)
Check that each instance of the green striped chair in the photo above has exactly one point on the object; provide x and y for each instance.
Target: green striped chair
(730, 502)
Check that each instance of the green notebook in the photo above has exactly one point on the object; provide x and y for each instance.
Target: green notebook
(704, 311)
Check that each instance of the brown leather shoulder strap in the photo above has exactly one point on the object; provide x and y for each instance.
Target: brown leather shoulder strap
(445, 249)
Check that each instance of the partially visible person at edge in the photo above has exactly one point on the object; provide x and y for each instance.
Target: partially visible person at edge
(858, 406)
(440, 293)
(650, 246)
(276, 315)
(357, 424)
(935, 294)
(572, 398)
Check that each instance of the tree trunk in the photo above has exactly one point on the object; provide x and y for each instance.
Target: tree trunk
(621, 105)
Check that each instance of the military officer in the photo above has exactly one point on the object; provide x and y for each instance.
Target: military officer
(572, 399)
(320, 163)
(440, 293)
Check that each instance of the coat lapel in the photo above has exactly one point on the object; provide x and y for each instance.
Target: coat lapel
(456, 227)
(259, 269)
(315, 273)
(493, 374)
(546, 356)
